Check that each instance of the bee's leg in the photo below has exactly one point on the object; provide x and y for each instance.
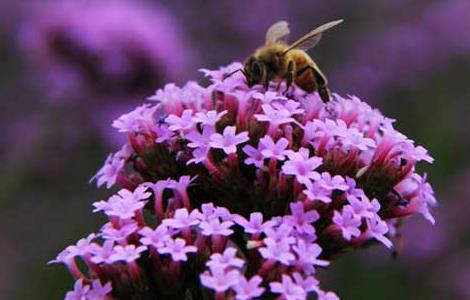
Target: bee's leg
(289, 76)
(320, 80)
(266, 79)
(322, 84)
(227, 75)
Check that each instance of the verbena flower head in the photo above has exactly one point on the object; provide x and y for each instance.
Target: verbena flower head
(248, 192)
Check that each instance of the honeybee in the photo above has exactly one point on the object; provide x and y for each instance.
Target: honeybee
(278, 61)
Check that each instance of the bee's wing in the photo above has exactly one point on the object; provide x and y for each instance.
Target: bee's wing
(309, 40)
(277, 33)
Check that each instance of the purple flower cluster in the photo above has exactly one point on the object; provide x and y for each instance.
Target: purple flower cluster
(249, 193)
(121, 47)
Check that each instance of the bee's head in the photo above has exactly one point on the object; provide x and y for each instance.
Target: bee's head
(255, 71)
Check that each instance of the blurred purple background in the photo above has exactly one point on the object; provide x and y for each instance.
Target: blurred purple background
(70, 67)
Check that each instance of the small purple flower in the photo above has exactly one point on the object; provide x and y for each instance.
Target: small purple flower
(353, 190)
(80, 291)
(183, 123)
(174, 99)
(128, 253)
(322, 133)
(310, 133)
(308, 283)
(198, 140)
(125, 203)
(362, 206)
(254, 225)
(163, 133)
(254, 156)
(62, 258)
(102, 254)
(315, 191)
(422, 196)
(302, 166)
(140, 193)
(274, 150)
(417, 153)
(208, 212)
(155, 238)
(209, 118)
(200, 143)
(268, 97)
(182, 184)
(377, 229)
(226, 260)
(199, 155)
(328, 127)
(300, 219)
(229, 140)
(118, 235)
(111, 168)
(224, 214)
(278, 251)
(288, 289)
(109, 172)
(307, 254)
(426, 192)
(354, 138)
(214, 226)
(100, 206)
(275, 113)
(140, 119)
(99, 291)
(182, 219)
(218, 279)
(248, 289)
(280, 234)
(348, 222)
(330, 183)
(158, 187)
(104, 205)
(82, 247)
(291, 106)
(177, 249)
(124, 208)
